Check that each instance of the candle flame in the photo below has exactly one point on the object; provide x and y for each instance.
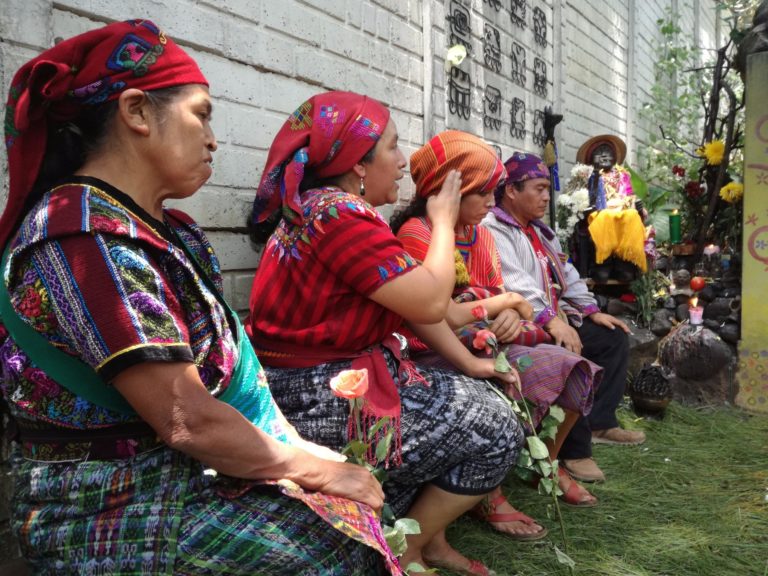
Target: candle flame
(694, 301)
(674, 212)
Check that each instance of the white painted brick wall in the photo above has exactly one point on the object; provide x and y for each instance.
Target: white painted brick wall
(264, 57)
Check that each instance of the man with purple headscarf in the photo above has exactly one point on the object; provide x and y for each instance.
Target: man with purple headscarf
(533, 264)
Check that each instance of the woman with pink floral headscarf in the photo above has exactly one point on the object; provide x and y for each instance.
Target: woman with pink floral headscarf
(334, 284)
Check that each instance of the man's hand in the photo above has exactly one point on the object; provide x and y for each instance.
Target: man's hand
(506, 326)
(564, 335)
(610, 322)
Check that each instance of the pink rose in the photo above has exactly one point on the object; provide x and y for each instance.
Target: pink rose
(350, 383)
(480, 313)
(483, 340)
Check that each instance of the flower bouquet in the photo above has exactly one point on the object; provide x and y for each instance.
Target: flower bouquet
(572, 203)
(534, 460)
(352, 385)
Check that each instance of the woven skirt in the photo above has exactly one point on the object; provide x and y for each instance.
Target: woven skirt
(457, 432)
(556, 376)
(158, 513)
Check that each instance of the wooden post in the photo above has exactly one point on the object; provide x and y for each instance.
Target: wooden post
(752, 374)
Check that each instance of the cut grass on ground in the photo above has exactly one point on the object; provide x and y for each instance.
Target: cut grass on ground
(691, 501)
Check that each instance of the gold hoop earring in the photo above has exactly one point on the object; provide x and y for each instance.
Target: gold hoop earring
(362, 187)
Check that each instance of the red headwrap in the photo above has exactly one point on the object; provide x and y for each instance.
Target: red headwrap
(86, 70)
(480, 167)
(329, 133)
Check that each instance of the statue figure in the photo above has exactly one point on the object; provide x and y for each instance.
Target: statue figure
(611, 240)
(610, 185)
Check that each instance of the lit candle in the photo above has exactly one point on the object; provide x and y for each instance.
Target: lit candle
(696, 313)
(674, 227)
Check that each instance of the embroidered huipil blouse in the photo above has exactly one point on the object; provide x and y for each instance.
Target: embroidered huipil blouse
(104, 282)
(312, 288)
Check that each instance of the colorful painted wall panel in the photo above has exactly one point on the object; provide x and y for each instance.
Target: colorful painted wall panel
(752, 374)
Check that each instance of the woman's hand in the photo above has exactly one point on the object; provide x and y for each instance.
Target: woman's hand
(348, 481)
(506, 326)
(484, 368)
(422, 295)
(443, 207)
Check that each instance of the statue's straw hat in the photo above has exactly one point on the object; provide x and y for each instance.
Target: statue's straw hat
(586, 151)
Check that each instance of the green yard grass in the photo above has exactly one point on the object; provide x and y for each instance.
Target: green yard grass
(691, 501)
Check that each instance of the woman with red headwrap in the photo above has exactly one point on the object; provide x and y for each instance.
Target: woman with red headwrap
(332, 287)
(556, 376)
(147, 436)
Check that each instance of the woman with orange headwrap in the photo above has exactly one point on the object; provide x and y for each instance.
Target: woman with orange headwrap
(334, 284)
(146, 433)
(556, 375)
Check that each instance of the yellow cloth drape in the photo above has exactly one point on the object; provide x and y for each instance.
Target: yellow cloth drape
(618, 233)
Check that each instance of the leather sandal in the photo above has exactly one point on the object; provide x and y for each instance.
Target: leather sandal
(486, 510)
(576, 493)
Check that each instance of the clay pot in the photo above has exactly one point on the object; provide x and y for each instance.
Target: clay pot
(648, 405)
(650, 390)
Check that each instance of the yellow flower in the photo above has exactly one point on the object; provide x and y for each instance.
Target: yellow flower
(732, 192)
(713, 152)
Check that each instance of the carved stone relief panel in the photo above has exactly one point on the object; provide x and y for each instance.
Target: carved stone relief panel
(492, 108)
(460, 93)
(517, 119)
(492, 47)
(460, 31)
(518, 64)
(539, 26)
(517, 12)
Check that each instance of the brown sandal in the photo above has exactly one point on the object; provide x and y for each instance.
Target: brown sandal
(486, 510)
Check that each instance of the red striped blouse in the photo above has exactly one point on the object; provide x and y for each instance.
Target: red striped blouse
(312, 287)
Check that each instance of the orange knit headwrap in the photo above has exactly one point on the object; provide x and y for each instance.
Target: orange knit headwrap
(481, 170)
